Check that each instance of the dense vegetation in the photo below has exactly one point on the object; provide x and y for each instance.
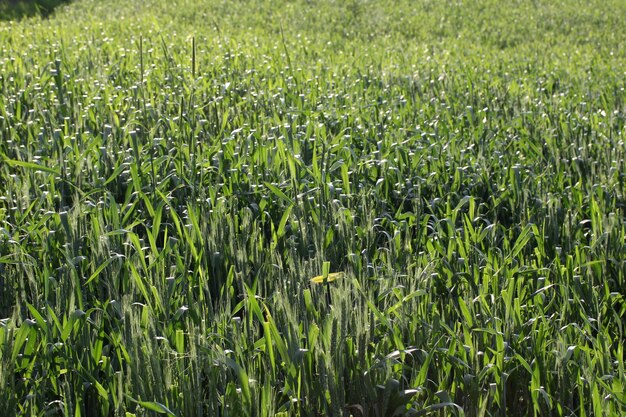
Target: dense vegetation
(16, 9)
(307, 208)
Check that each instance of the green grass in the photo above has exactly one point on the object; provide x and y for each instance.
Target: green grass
(178, 179)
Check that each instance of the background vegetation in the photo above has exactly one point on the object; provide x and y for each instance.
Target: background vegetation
(16, 9)
(175, 173)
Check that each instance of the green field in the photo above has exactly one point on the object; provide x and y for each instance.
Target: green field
(314, 208)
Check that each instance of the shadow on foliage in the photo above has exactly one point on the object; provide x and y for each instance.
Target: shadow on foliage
(18, 9)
